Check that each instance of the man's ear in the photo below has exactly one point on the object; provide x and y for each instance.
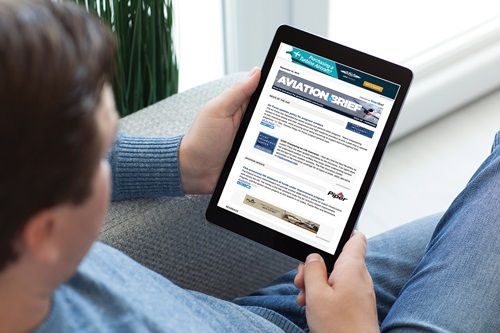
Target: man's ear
(39, 238)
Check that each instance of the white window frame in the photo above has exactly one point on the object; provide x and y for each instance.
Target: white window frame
(446, 77)
(249, 27)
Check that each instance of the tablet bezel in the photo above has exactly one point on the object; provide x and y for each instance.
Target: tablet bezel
(338, 53)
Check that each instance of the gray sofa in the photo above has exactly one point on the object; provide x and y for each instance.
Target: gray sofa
(171, 235)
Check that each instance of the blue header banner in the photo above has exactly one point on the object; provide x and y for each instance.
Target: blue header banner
(314, 62)
(344, 73)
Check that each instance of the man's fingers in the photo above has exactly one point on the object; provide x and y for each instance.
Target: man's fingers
(312, 276)
(301, 298)
(315, 277)
(238, 95)
(356, 246)
(352, 258)
(299, 277)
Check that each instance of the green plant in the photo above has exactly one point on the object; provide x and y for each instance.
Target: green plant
(146, 60)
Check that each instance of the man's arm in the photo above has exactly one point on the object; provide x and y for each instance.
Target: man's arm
(172, 166)
(145, 167)
(343, 302)
(205, 147)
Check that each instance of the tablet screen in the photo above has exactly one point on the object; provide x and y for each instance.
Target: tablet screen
(308, 147)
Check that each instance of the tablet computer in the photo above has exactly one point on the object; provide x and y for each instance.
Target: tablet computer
(308, 145)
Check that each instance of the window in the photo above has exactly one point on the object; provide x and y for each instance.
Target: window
(199, 41)
(452, 48)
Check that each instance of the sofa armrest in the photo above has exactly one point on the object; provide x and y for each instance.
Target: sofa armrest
(171, 235)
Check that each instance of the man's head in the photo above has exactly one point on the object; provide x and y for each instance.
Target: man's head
(55, 60)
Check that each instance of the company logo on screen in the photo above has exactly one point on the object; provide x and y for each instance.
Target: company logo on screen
(340, 196)
(351, 74)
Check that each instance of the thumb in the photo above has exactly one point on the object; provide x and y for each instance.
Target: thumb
(315, 276)
(238, 95)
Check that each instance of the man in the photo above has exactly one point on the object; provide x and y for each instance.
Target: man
(58, 124)
(58, 121)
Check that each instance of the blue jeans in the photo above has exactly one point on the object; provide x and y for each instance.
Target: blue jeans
(437, 274)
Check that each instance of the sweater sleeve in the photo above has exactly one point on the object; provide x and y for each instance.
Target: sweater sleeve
(145, 167)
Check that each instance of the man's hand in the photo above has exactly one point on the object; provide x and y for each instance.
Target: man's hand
(344, 302)
(205, 147)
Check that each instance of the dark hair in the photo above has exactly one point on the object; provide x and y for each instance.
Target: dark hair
(54, 61)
